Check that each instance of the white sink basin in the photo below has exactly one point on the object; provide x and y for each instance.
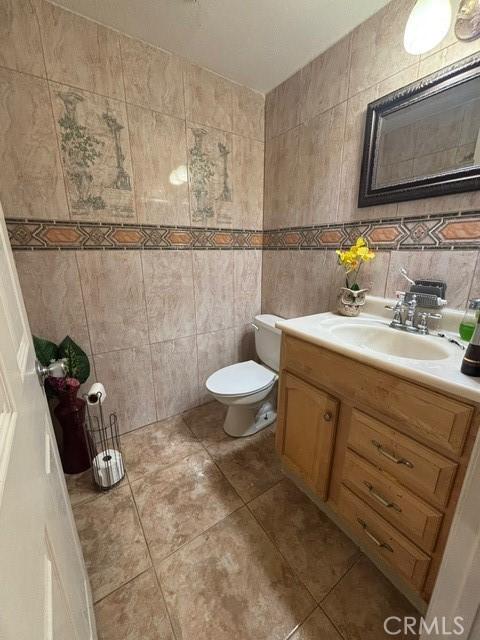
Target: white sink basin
(391, 341)
(368, 338)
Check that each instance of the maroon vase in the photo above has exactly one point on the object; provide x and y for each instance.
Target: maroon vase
(70, 413)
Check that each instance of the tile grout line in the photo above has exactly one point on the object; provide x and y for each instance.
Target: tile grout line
(52, 111)
(216, 464)
(152, 564)
(129, 581)
(130, 495)
(337, 629)
(129, 136)
(347, 571)
(300, 624)
(321, 604)
(301, 581)
(147, 322)
(89, 332)
(194, 296)
(317, 604)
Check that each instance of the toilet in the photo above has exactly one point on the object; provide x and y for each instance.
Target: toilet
(248, 389)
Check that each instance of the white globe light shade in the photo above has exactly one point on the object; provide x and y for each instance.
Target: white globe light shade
(427, 25)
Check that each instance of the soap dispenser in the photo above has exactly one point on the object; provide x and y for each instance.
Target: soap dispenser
(470, 319)
(471, 360)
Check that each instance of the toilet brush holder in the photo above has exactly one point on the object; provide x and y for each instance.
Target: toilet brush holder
(103, 442)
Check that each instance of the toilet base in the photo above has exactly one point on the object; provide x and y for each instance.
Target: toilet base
(242, 420)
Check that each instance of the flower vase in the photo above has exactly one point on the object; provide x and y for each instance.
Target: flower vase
(351, 301)
(70, 413)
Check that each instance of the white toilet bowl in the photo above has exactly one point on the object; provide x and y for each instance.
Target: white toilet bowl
(248, 389)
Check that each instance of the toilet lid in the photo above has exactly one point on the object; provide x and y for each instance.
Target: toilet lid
(240, 379)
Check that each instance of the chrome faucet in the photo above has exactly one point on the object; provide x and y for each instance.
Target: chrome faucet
(406, 317)
(397, 311)
(411, 309)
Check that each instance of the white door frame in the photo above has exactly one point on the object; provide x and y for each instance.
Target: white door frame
(457, 590)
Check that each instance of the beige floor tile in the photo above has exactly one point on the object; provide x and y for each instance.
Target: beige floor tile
(180, 502)
(250, 464)
(206, 422)
(231, 582)
(113, 544)
(362, 600)
(316, 627)
(313, 545)
(136, 611)
(81, 487)
(156, 446)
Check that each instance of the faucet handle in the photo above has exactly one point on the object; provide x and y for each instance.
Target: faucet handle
(399, 301)
(423, 319)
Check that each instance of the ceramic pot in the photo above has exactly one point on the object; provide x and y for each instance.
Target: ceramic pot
(70, 413)
(350, 302)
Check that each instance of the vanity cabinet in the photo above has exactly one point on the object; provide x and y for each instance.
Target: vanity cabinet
(386, 456)
(308, 423)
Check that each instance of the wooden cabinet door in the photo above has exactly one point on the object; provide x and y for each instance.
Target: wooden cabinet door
(306, 432)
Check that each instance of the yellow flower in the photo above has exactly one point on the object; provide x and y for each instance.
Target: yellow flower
(361, 242)
(353, 257)
(348, 259)
(365, 254)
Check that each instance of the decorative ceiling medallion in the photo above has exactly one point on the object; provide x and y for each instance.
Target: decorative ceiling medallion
(467, 24)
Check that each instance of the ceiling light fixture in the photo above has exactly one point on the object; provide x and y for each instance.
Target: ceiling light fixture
(427, 25)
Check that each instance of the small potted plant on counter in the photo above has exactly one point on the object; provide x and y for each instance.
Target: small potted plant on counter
(351, 297)
(70, 410)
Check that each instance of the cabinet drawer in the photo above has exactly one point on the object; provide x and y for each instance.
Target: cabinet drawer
(427, 473)
(407, 559)
(433, 417)
(414, 517)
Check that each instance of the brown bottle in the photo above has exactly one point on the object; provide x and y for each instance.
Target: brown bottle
(471, 359)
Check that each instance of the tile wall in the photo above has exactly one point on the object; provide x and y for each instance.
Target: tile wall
(92, 125)
(109, 143)
(314, 125)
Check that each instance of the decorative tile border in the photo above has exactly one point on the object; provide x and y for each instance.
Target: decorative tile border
(439, 231)
(56, 234)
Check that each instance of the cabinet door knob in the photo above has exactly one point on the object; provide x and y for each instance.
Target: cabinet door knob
(327, 416)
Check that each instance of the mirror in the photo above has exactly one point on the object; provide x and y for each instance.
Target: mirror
(424, 140)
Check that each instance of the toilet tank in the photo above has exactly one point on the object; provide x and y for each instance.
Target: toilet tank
(267, 340)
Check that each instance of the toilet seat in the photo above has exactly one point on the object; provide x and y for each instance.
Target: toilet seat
(241, 379)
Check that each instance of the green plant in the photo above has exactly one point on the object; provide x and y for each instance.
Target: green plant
(78, 365)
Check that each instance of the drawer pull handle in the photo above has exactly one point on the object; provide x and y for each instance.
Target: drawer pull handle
(379, 498)
(391, 456)
(327, 416)
(379, 543)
